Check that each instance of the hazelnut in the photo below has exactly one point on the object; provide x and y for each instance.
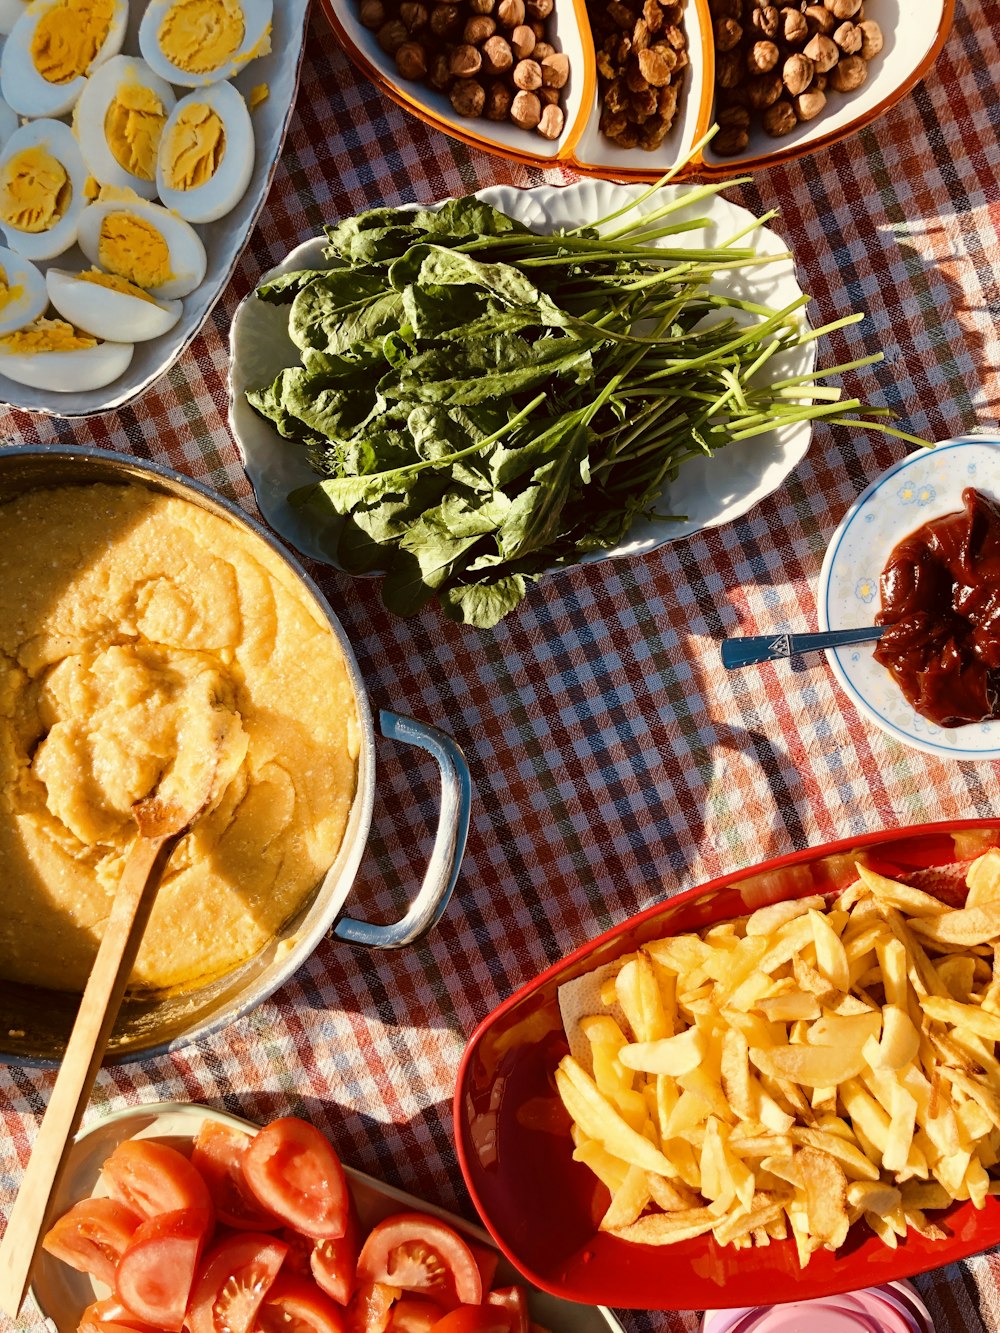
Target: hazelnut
(734, 117)
(526, 110)
(478, 29)
(762, 57)
(439, 72)
(465, 63)
(510, 13)
(720, 9)
(727, 34)
(414, 15)
(797, 73)
(809, 104)
(555, 70)
(763, 91)
(528, 75)
(542, 49)
(522, 42)
(411, 61)
(729, 70)
(548, 96)
(371, 14)
(444, 20)
(819, 82)
(391, 36)
(794, 27)
(849, 74)
(819, 20)
(468, 97)
(822, 52)
(481, 6)
(541, 9)
(848, 37)
(497, 55)
(842, 9)
(550, 125)
(779, 119)
(871, 39)
(730, 141)
(537, 27)
(498, 100)
(766, 21)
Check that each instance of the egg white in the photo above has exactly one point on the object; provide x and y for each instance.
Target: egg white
(10, 12)
(67, 372)
(8, 121)
(108, 314)
(57, 139)
(24, 88)
(34, 298)
(91, 112)
(188, 260)
(256, 24)
(224, 190)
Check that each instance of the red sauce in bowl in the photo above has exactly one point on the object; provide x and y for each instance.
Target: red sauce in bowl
(940, 594)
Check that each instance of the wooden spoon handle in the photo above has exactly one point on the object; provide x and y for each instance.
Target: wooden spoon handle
(102, 997)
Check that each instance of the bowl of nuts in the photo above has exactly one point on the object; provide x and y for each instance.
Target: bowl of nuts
(630, 88)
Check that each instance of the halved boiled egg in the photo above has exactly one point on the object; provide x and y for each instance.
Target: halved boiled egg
(144, 243)
(194, 42)
(50, 354)
(22, 291)
(52, 48)
(108, 306)
(119, 120)
(8, 122)
(206, 154)
(42, 183)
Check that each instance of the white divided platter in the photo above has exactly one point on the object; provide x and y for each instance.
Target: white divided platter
(708, 491)
(61, 1294)
(224, 239)
(923, 486)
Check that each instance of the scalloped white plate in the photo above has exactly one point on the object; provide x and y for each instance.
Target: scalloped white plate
(224, 239)
(923, 486)
(708, 491)
(62, 1294)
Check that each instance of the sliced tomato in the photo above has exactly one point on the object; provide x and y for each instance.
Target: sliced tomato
(422, 1255)
(233, 1281)
(486, 1261)
(334, 1263)
(296, 1305)
(110, 1316)
(152, 1178)
(474, 1319)
(370, 1308)
(300, 1251)
(515, 1301)
(293, 1172)
(156, 1272)
(93, 1236)
(217, 1156)
(412, 1314)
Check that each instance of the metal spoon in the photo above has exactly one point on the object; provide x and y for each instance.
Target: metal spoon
(739, 652)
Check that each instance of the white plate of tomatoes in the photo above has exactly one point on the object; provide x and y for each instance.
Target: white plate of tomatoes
(179, 1217)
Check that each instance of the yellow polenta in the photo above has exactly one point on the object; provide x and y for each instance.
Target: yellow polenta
(142, 639)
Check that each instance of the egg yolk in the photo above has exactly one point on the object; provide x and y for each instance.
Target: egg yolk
(200, 35)
(35, 190)
(68, 37)
(259, 93)
(196, 147)
(133, 248)
(47, 335)
(8, 294)
(132, 128)
(115, 284)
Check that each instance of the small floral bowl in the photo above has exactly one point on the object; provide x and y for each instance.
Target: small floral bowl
(926, 485)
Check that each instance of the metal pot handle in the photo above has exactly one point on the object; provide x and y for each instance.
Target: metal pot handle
(449, 843)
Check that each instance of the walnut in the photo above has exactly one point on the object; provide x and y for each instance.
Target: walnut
(526, 110)
(849, 74)
(871, 39)
(819, 20)
(640, 35)
(727, 34)
(528, 75)
(497, 55)
(522, 42)
(779, 119)
(656, 65)
(498, 100)
(822, 52)
(643, 105)
(621, 16)
(674, 36)
(510, 13)
(371, 14)
(468, 97)
(797, 73)
(848, 37)
(766, 21)
(762, 57)
(722, 9)
(478, 29)
(550, 126)
(465, 63)
(555, 70)
(411, 61)
(763, 91)
(794, 27)
(616, 96)
(809, 104)
(444, 20)
(842, 9)
(729, 70)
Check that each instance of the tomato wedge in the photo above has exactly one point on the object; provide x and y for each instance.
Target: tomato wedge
(486, 1261)
(93, 1236)
(370, 1308)
(333, 1263)
(110, 1316)
(156, 1272)
(151, 1178)
(474, 1319)
(300, 1250)
(233, 1281)
(413, 1315)
(295, 1174)
(218, 1158)
(515, 1301)
(296, 1305)
(422, 1255)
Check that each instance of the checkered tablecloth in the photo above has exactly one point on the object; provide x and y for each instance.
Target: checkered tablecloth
(614, 760)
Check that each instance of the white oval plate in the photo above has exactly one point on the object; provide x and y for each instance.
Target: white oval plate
(709, 491)
(62, 1294)
(925, 485)
(224, 240)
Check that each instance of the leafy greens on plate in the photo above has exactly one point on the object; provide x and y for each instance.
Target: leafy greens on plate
(485, 403)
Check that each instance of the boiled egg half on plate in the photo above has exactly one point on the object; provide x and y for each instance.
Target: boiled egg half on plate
(42, 189)
(206, 154)
(48, 353)
(53, 47)
(197, 42)
(144, 243)
(119, 122)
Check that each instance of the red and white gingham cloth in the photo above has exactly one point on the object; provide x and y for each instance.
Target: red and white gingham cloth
(614, 760)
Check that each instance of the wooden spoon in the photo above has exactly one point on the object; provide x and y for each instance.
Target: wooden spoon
(161, 826)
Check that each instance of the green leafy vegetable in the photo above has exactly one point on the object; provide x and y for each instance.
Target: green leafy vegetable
(485, 403)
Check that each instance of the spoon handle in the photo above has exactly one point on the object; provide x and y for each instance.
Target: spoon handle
(769, 647)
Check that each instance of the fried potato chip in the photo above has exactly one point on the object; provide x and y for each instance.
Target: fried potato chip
(983, 879)
(668, 1228)
(812, 1066)
(670, 1055)
(969, 925)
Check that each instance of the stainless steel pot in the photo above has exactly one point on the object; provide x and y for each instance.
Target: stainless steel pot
(35, 1023)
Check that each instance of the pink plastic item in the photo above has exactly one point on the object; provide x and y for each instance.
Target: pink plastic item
(894, 1307)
